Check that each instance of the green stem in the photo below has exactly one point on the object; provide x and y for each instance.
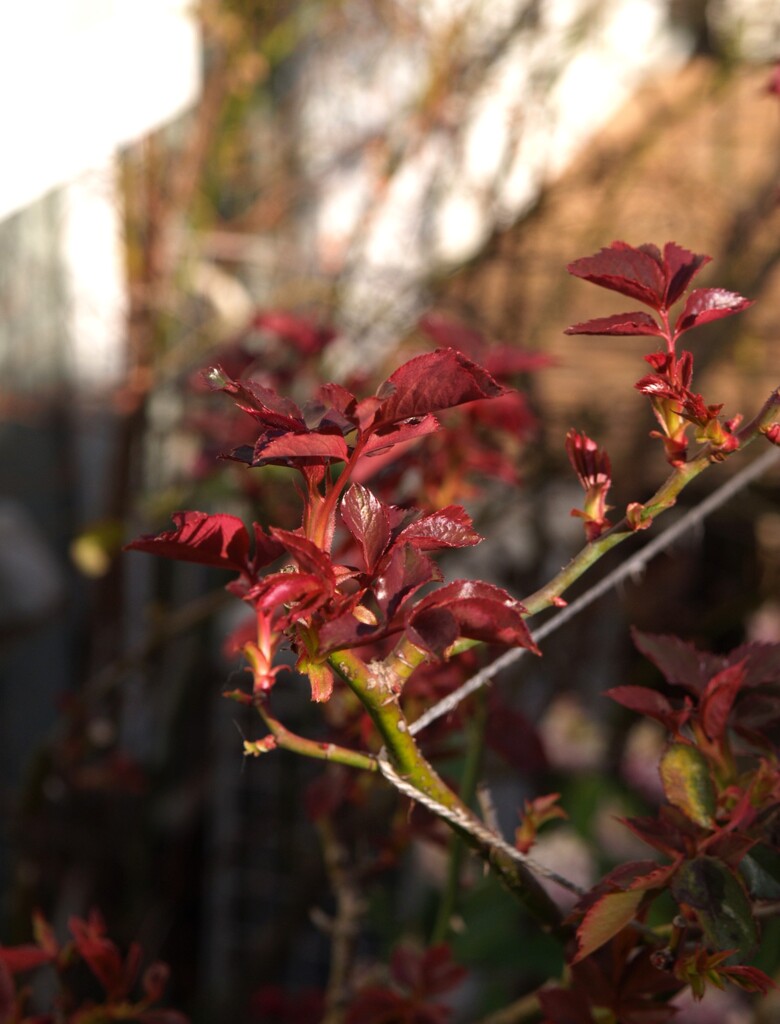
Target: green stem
(381, 702)
(663, 499)
(468, 789)
(311, 748)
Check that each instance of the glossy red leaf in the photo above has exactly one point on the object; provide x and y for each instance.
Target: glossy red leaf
(449, 527)
(430, 382)
(400, 433)
(291, 448)
(345, 630)
(264, 404)
(267, 550)
(300, 591)
(365, 516)
(642, 273)
(706, 304)
(464, 608)
(218, 540)
(405, 571)
(621, 324)
(309, 557)
(680, 266)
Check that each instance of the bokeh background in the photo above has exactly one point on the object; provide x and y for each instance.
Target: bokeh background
(299, 182)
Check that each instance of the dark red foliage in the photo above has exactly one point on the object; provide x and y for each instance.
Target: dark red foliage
(617, 978)
(479, 611)
(417, 979)
(118, 976)
(659, 280)
(644, 273)
(271, 1004)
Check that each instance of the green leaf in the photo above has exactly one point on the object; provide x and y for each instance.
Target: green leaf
(688, 784)
(717, 896)
(606, 918)
(761, 880)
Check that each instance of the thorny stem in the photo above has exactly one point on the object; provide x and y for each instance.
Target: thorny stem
(378, 691)
(381, 703)
(663, 499)
(630, 567)
(312, 748)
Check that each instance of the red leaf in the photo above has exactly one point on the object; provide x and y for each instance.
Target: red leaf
(309, 557)
(642, 700)
(218, 540)
(366, 519)
(667, 833)
(266, 406)
(681, 266)
(642, 273)
(718, 699)
(498, 359)
(608, 916)
(100, 954)
(562, 1006)
(651, 703)
(706, 304)
(405, 571)
(400, 433)
(751, 979)
(292, 448)
(25, 958)
(761, 660)
(623, 324)
(426, 974)
(267, 550)
(449, 527)
(514, 736)
(427, 383)
(479, 611)
(154, 980)
(378, 1005)
(680, 662)
(307, 336)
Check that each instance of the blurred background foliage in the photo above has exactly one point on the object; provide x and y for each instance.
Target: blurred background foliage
(340, 177)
